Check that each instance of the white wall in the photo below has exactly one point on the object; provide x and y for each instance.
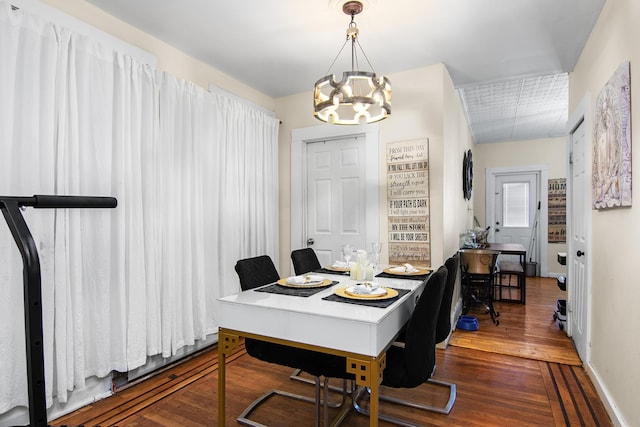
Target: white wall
(550, 152)
(424, 104)
(615, 251)
(457, 212)
(457, 140)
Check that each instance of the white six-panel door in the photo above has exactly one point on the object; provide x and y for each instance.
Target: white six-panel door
(335, 196)
(305, 219)
(578, 257)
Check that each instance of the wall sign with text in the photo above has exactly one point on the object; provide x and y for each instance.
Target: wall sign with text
(557, 207)
(408, 202)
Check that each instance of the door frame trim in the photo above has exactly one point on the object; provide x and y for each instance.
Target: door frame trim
(580, 115)
(299, 139)
(542, 174)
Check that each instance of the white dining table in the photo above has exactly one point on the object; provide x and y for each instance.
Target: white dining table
(360, 333)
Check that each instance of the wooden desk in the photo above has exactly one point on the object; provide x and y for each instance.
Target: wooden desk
(518, 269)
(360, 333)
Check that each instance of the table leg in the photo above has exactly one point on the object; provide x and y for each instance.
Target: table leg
(368, 373)
(523, 285)
(221, 388)
(227, 343)
(374, 398)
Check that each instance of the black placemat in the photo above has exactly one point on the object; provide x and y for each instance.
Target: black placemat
(403, 276)
(383, 303)
(296, 292)
(327, 271)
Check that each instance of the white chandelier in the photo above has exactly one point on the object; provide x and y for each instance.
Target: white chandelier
(361, 96)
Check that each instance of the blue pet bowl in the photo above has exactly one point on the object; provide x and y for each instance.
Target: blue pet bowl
(467, 323)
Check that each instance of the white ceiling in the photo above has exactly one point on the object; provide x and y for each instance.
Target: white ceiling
(281, 47)
(518, 109)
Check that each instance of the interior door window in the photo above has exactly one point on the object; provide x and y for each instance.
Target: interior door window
(515, 206)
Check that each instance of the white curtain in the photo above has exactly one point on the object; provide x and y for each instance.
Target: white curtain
(27, 147)
(246, 185)
(195, 175)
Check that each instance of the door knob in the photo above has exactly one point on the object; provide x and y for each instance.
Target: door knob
(579, 253)
(310, 241)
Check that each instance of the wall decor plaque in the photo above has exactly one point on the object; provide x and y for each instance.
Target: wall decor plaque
(409, 235)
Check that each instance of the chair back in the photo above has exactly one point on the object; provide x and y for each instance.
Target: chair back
(255, 272)
(443, 329)
(478, 261)
(413, 365)
(304, 261)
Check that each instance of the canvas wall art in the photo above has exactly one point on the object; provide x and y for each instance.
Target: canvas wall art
(557, 207)
(611, 166)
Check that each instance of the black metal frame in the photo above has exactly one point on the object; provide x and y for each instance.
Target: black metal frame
(10, 207)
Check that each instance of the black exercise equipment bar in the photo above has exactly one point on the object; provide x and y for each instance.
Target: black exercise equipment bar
(11, 209)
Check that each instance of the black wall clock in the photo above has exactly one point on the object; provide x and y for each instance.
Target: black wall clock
(467, 175)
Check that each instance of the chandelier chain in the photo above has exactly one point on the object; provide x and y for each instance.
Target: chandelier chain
(365, 56)
(337, 56)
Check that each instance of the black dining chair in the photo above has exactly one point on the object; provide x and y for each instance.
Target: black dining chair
(253, 273)
(443, 329)
(478, 268)
(304, 261)
(410, 364)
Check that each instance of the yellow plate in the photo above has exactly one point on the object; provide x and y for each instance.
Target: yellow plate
(391, 293)
(420, 271)
(340, 269)
(325, 282)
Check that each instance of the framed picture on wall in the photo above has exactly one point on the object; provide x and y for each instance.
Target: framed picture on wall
(611, 167)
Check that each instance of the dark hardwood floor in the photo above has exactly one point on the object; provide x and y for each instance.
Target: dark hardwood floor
(494, 389)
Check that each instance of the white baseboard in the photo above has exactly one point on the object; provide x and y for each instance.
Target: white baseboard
(556, 275)
(612, 409)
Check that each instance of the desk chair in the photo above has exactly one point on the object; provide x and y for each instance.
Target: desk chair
(253, 273)
(478, 268)
(304, 261)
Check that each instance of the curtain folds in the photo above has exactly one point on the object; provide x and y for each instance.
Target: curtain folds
(195, 175)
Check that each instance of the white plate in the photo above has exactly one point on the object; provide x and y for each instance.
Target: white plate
(378, 292)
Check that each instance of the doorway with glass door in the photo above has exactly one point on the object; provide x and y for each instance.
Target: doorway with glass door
(516, 212)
